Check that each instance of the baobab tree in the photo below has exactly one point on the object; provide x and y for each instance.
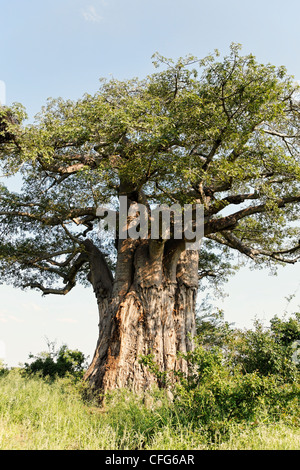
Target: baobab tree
(219, 133)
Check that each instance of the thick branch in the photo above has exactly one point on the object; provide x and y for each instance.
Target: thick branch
(48, 257)
(100, 276)
(229, 239)
(70, 278)
(233, 199)
(46, 290)
(83, 162)
(51, 220)
(230, 221)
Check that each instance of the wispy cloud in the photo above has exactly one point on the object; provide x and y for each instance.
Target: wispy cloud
(90, 14)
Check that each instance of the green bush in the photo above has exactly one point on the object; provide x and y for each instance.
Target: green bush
(286, 331)
(58, 363)
(269, 350)
(215, 395)
(3, 368)
(266, 350)
(236, 377)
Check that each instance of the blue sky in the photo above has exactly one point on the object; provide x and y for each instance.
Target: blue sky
(61, 48)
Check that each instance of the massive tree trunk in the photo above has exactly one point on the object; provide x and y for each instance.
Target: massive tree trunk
(149, 308)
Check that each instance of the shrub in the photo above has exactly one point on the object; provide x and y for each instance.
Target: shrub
(269, 350)
(235, 377)
(58, 363)
(3, 368)
(261, 349)
(216, 394)
(286, 331)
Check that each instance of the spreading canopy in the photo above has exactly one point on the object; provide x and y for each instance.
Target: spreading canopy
(222, 133)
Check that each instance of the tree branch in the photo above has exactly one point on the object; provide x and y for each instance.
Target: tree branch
(51, 220)
(224, 223)
(233, 199)
(229, 239)
(46, 290)
(70, 278)
(100, 276)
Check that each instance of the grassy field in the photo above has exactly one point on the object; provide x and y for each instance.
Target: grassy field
(36, 414)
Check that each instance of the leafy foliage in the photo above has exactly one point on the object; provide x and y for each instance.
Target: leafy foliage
(270, 351)
(57, 363)
(223, 133)
(237, 376)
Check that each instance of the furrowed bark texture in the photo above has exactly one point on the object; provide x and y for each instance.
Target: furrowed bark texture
(150, 310)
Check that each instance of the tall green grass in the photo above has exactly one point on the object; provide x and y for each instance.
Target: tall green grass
(36, 414)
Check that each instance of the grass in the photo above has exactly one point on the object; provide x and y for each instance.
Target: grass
(36, 414)
(277, 436)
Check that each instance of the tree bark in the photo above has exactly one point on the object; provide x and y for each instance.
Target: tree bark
(150, 309)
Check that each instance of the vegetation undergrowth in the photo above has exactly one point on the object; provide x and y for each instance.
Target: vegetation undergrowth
(242, 392)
